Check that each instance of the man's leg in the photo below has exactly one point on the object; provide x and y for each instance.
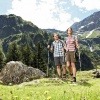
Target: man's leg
(57, 63)
(59, 71)
(63, 65)
(64, 69)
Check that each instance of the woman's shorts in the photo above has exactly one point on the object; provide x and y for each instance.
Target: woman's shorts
(70, 56)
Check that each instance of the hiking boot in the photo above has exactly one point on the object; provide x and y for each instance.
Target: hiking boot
(74, 79)
(59, 77)
(64, 76)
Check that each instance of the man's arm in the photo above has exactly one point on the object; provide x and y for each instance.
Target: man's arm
(52, 47)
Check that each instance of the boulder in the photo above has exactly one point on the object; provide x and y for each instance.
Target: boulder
(15, 72)
(96, 74)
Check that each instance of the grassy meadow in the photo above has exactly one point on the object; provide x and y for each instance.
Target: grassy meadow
(86, 88)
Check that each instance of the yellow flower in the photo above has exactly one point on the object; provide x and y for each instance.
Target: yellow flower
(28, 98)
(16, 96)
(49, 98)
(46, 92)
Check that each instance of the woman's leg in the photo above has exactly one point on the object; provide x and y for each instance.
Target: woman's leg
(69, 63)
(72, 55)
(69, 67)
(73, 69)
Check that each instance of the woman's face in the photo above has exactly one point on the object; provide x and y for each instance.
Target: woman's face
(69, 31)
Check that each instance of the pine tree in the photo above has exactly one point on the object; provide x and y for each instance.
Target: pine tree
(2, 57)
(27, 55)
(41, 64)
(13, 53)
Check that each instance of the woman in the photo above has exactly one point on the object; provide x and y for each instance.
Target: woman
(71, 45)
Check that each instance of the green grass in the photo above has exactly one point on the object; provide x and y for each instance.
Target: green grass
(86, 88)
(95, 34)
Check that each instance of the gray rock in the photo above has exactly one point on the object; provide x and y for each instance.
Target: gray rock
(96, 74)
(16, 72)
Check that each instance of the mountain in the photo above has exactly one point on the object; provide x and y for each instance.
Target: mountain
(90, 23)
(51, 31)
(89, 29)
(12, 24)
(14, 28)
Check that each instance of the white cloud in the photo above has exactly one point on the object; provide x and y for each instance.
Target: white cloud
(87, 4)
(43, 13)
(76, 19)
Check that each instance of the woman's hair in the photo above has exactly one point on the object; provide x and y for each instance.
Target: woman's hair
(70, 28)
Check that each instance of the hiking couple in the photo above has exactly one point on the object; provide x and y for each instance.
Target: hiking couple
(58, 47)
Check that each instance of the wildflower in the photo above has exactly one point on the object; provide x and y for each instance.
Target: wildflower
(46, 92)
(49, 98)
(27, 98)
(16, 97)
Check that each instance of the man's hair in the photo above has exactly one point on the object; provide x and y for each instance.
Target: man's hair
(57, 35)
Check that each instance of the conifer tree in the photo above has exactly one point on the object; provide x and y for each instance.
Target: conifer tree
(13, 53)
(27, 55)
(2, 57)
(41, 64)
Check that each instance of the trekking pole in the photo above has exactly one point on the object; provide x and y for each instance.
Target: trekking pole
(80, 60)
(80, 63)
(48, 63)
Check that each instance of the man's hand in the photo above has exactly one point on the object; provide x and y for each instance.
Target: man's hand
(48, 46)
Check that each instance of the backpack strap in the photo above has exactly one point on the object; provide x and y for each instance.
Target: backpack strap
(62, 42)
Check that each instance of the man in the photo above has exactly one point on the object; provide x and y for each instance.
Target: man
(58, 51)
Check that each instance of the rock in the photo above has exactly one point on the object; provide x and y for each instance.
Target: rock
(16, 72)
(96, 74)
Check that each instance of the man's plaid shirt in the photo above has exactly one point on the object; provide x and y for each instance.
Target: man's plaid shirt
(58, 47)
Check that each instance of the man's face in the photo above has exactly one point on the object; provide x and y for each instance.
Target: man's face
(56, 37)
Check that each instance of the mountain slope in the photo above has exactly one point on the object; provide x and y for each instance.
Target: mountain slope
(14, 28)
(12, 24)
(89, 23)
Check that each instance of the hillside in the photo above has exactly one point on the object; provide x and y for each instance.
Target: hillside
(86, 88)
(14, 28)
(12, 24)
(52, 31)
(89, 23)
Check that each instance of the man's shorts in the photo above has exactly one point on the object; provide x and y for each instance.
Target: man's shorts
(59, 61)
(70, 56)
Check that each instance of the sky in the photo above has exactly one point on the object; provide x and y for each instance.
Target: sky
(52, 14)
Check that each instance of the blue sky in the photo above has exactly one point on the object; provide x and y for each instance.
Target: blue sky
(58, 14)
